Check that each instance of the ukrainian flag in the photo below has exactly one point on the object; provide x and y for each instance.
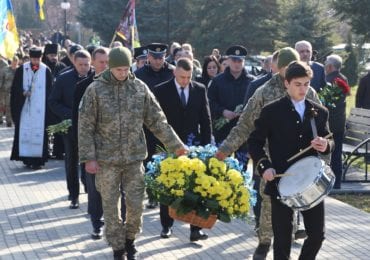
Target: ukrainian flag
(39, 8)
(9, 40)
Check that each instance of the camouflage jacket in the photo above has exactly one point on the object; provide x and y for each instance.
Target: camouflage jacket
(271, 91)
(111, 118)
(6, 77)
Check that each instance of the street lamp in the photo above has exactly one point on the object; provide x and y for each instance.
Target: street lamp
(65, 6)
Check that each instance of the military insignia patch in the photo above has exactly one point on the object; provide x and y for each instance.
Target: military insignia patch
(237, 52)
(158, 49)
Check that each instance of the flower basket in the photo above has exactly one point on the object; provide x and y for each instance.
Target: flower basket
(193, 218)
(198, 188)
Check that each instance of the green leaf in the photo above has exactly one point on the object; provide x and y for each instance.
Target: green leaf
(202, 212)
(191, 198)
(211, 204)
(224, 217)
(177, 203)
(165, 200)
(182, 210)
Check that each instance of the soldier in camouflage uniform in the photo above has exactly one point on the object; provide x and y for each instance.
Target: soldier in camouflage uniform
(112, 144)
(6, 79)
(272, 90)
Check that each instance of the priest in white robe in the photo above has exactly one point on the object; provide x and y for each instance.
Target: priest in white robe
(29, 92)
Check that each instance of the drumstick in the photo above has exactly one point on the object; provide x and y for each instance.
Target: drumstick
(283, 174)
(306, 149)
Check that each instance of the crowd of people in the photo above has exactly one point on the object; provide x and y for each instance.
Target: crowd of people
(122, 105)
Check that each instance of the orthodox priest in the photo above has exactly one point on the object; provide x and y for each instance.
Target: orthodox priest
(31, 86)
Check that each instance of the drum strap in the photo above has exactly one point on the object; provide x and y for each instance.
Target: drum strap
(313, 127)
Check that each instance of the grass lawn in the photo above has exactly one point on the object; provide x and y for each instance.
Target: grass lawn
(360, 201)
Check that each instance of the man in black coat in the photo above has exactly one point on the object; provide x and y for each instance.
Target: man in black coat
(363, 92)
(227, 92)
(50, 58)
(286, 126)
(28, 103)
(337, 117)
(61, 103)
(185, 105)
(155, 72)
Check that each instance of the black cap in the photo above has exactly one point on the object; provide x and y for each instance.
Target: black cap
(75, 48)
(35, 52)
(140, 52)
(158, 50)
(237, 52)
(91, 48)
(51, 48)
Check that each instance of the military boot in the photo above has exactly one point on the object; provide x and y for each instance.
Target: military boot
(130, 249)
(118, 254)
(261, 252)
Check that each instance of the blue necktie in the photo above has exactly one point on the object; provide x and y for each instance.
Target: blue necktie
(182, 97)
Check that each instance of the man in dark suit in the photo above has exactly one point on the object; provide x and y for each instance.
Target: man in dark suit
(185, 105)
(61, 103)
(285, 125)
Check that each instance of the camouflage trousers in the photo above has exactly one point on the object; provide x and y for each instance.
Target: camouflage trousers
(108, 181)
(5, 107)
(264, 232)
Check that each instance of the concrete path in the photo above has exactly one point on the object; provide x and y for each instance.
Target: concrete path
(36, 223)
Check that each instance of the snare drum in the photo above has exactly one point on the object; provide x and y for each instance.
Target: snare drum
(307, 183)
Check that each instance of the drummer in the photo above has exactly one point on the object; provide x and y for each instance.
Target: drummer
(285, 124)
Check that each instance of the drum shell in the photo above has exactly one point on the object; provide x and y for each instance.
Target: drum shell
(314, 193)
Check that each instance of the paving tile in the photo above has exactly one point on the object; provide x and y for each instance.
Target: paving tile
(35, 223)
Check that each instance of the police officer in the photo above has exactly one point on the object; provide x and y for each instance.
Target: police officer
(111, 143)
(140, 56)
(155, 72)
(227, 92)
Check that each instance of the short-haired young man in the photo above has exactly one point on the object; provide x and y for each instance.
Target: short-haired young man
(286, 125)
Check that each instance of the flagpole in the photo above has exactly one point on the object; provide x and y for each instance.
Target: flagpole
(114, 37)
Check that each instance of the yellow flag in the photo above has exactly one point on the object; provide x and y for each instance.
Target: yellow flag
(9, 40)
(39, 4)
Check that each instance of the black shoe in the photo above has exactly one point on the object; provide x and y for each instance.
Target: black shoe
(118, 254)
(261, 252)
(35, 167)
(198, 235)
(152, 205)
(74, 204)
(130, 249)
(166, 232)
(300, 234)
(97, 234)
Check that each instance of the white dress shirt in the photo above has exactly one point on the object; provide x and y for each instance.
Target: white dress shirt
(186, 91)
(299, 106)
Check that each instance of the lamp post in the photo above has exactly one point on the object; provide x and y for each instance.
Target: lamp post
(65, 6)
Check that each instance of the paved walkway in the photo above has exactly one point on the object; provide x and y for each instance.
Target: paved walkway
(36, 223)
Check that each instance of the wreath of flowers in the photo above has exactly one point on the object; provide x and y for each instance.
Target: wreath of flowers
(201, 182)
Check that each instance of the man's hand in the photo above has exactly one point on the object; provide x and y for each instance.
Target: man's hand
(92, 167)
(182, 151)
(269, 174)
(220, 155)
(319, 144)
(230, 115)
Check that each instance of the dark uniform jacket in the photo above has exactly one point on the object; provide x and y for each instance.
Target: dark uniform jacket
(193, 119)
(363, 92)
(255, 84)
(280, 125)
(337, 114)
(81, 87)
(62, 95)
(226, 92)
(152, 78)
